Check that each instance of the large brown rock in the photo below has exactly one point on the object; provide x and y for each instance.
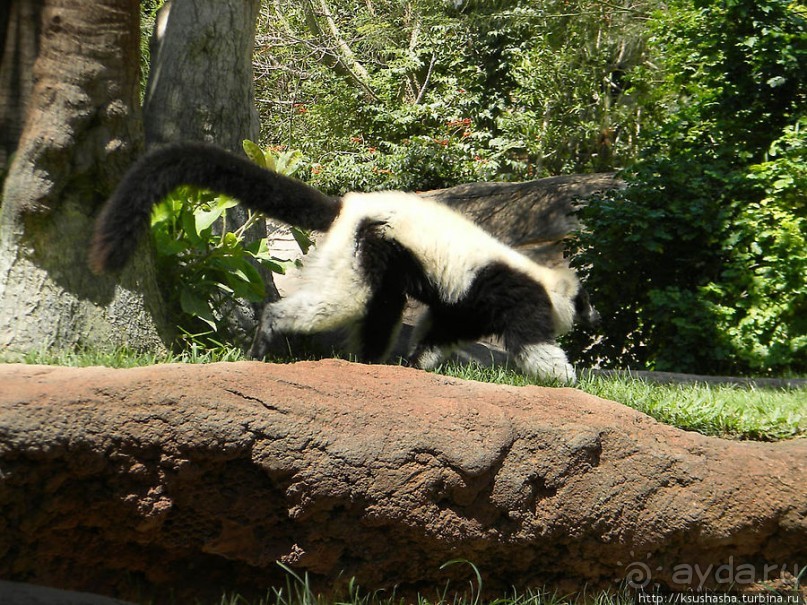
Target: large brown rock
(197, 477)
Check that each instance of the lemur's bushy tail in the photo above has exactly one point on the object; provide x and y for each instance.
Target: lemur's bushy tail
(126, 214)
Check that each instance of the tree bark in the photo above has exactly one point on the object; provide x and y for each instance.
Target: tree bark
(534, 217)
(200, 88)
(19, 46)
(82, 130)
(200, 85)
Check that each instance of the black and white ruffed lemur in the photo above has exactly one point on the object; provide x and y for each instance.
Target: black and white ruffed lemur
(379, 249)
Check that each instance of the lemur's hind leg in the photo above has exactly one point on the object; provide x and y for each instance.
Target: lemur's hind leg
(531, 341)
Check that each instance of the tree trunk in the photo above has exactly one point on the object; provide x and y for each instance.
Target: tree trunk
(200, 88)
(81, 132)
(19, 46)
(200, 84)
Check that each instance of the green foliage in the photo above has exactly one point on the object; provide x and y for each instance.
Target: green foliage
(720, 410)
(700, 264)
(768, 245)
(148, 17)
(581, 87)
(283, 162)
(501, 91)
(200, 266)
(195, 262)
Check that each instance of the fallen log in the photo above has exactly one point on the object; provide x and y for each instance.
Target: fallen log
(187, 479)
(534, 216)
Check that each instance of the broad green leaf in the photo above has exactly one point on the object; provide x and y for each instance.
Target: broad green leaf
(254, 153)
(169, 246)
(225, 202)
(196, 306)
(205, 218)
(246, 283)
(230, 239)
(274, 265)
(303, 239)
(188, 221)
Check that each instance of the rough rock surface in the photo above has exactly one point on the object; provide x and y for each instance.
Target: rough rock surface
(198, 477)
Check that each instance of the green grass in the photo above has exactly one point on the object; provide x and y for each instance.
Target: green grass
(723, 410)
(445, 596)
(298, 591)
(126, 358)
(735, 412)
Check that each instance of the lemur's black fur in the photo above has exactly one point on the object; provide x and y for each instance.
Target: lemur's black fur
(125, 216)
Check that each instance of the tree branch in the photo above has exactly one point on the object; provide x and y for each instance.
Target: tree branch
(342, 57)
